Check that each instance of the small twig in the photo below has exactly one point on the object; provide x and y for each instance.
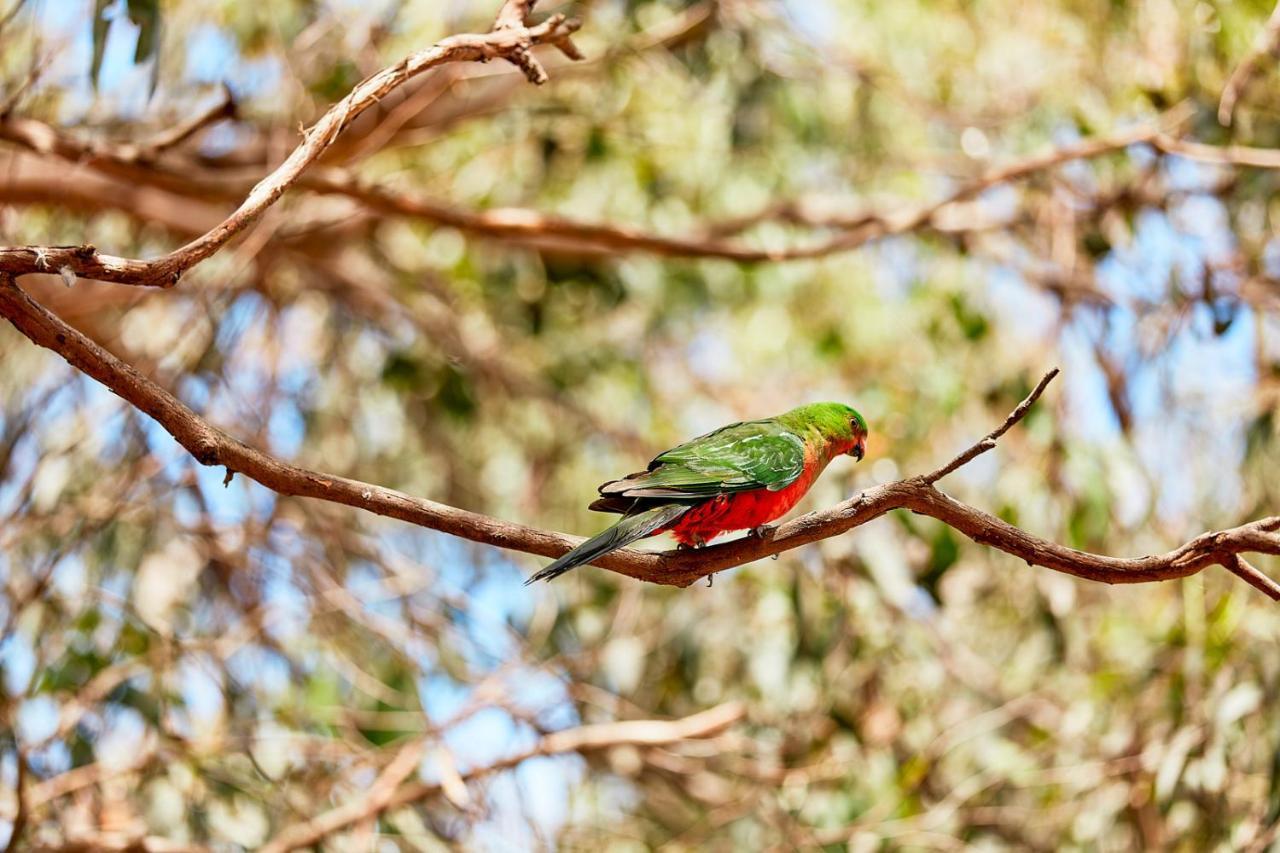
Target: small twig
(992, 437)
(1265, 45)
(12, 99)
(181, 132)
(514, 17)
(11, 13)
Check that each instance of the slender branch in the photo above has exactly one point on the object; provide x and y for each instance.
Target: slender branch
(992, 437)
(531, 227)
(1265, 47)
(1223, 155)
(165, 271)
(558, 232)
(18, 825)
(583, 739)
(225, 107)
(11, 13)
(211, 446)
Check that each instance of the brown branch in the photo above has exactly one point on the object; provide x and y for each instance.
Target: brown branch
(211, 446)
(514, 17)
(18, 825)
(556, 232)
(225, 107)
(373, 803)
(583, 739)
(992, 437)
(11, 13)
(1265, 46)
(1222, 155)
(1241, 568)
(530, 227)
(165, 271)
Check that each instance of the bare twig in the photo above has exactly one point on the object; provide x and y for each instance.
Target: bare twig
(1264, 47)
(225, 107)
(992, 437)
(87, 262)
(1223, 155)
(211, 446)
(514, 17)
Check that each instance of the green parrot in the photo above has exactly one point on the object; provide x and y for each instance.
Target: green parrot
(739, 477)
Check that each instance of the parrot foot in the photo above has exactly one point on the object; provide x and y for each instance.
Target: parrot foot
(699, 542)
(763, 531)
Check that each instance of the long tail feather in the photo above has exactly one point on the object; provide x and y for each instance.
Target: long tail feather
(627, 530)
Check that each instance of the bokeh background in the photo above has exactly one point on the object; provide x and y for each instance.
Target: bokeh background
(188, 665)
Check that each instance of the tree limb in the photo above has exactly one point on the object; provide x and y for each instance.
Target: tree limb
(165, 271)
(211, 446)
(543, 230)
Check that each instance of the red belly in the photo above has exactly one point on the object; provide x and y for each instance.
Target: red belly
(740, 511)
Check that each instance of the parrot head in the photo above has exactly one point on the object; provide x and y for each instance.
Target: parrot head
(840, 426)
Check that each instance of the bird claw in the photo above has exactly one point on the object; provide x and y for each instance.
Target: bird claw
(763, 531)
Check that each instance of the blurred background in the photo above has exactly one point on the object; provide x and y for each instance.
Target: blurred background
(188, 665)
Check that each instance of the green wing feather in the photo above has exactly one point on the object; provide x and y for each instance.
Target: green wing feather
(740, 457)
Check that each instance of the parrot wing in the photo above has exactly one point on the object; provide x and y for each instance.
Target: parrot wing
(737, 458)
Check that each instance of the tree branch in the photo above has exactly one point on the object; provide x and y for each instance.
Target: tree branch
(546, 230)
(165, 271)
(542, 230)
(224, 107)
(373, 803)
(588, 738)
(992, 437)
(211, 446)
(1265, 45)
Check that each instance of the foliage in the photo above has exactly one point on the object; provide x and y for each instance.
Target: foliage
(230, 661)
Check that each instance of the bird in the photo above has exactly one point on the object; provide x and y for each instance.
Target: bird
(739, 477)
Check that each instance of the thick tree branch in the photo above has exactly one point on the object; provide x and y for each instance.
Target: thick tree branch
(211, 446)
(165, 271)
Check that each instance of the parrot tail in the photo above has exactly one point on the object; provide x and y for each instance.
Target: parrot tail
(627, 530)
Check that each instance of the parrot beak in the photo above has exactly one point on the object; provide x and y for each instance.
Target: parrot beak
(858, 451)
